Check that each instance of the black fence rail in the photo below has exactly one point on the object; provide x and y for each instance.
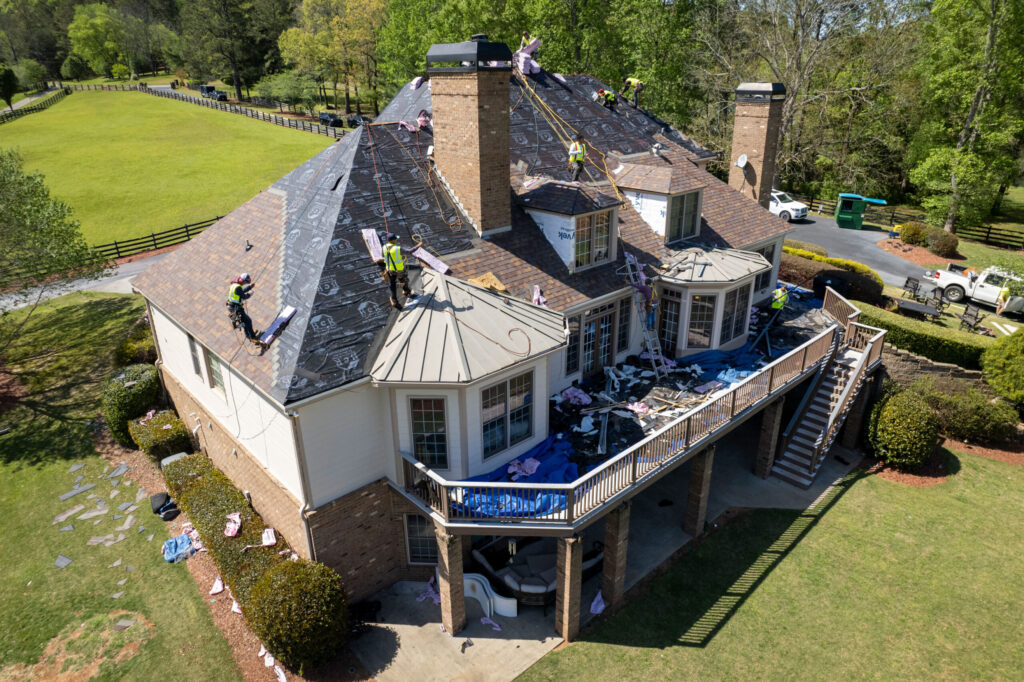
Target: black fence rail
(153, 241)
(33, 108)
(114, 87)
(996, 236)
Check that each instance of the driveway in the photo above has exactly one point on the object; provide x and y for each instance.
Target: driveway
(120, 282)
(856, 245)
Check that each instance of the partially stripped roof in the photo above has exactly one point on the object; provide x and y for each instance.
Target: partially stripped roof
(566, 198)
(661, 179)
(713, 266)
(456, 332)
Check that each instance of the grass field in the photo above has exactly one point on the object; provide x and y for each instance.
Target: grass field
(65, 353)
(130, 164)
(891, 582)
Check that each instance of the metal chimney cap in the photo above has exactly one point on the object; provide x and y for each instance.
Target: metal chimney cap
(476, 54)
(760, 92)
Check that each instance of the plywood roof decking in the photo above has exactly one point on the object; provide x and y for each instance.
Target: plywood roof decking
(456, 332)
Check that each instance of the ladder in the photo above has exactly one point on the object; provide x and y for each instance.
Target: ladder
(651, 343)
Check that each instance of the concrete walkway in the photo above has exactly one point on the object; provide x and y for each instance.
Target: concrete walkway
(856, 245)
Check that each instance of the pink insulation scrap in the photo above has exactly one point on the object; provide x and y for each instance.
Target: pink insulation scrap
(423, 120)
(233, 524)
(538, 296)
(403, 124)
(638, 408)
(576, 396)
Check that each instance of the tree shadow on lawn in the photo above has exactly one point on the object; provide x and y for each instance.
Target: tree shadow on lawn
(699, 594)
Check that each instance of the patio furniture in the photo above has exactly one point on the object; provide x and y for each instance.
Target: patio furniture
(529, 574)
(935, 299)
(915, 308)
(911, 287)
(971, 317)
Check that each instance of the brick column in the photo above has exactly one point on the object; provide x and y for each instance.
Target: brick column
(616, 542)
(855, 417)
(569, 580)
(451, 584)
(700, 486)
(771, 422)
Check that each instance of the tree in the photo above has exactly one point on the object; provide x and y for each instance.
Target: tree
(40, 243)
(30, 73)
(8, 85)
(97, 34)
(74, 68)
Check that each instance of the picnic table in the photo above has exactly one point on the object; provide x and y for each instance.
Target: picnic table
(916, 308)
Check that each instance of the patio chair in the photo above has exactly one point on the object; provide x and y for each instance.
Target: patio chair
(911, 287)
(936, 299)
(971, 317)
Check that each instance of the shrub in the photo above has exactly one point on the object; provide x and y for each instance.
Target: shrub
(914, 233)
(965, 413)
(889, 389)
(1004, 367)
(940, 344)
(905, 431)
(298, 610)
(137, 347)
(161, 436)
(128, 393)
(120, 72)
(74, 68)
(802, 271)
(943, 243)
(805, 246)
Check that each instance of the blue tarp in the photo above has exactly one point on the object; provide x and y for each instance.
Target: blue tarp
(177, 549)
(555, 467)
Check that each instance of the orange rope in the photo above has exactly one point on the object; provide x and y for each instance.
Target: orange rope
(376, 178)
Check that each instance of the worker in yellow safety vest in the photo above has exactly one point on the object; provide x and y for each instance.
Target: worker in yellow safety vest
(238, 291)
(637, 86)
(780, 297)
(608, 98)
(577, 155)
(1004, 297)
(393, 269)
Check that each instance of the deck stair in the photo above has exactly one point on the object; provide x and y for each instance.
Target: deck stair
(809, 436)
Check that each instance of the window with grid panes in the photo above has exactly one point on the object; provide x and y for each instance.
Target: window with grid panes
(572, 350)
(507, 413)
(734, 314)
(421, 541)
(429, 432)
(683, 218)
(193, 349)
(765, 278)
(625, 308)
(593, 238)
(702, 321)
(213, 369)
(668, 321)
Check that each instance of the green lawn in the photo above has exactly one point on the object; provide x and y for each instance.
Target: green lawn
(65, 352)
(130, 164)
(891, 582)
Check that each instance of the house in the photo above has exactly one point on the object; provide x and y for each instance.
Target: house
(343, 430)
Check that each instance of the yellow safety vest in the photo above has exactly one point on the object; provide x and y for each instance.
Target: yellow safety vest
(632, 82)
(235, 293)
(609, 95)
(577, 151)
(393, 258)
(780, 298)
(1004, 294)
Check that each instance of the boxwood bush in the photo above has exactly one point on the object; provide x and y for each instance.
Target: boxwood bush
(965, 413)
(914, 233)
(128, 393)
(1003, 362)
(162, 436)
(299, 611)
(275, 611)
(137, 347)
(928, 339)
(905, 431)
(943, 243)
(805, 246)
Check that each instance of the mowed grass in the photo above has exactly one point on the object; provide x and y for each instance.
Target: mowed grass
(891, 582)
(64, 354)
(130, 164)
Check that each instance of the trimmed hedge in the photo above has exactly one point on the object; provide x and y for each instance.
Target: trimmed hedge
(128, 393)
(841, 263)
(1004, 367)
(162, 436)
(804, 246)
(208, 496)
(928, 339)
(803, 271)
(965, 413)
(137, 347)
(905, 432)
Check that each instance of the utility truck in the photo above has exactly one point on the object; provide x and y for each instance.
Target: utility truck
(959, 284)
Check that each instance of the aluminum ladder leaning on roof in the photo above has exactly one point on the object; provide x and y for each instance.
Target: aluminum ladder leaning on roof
(634, 273)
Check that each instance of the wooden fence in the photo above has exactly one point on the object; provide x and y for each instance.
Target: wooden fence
(996, 236)
(33, 108)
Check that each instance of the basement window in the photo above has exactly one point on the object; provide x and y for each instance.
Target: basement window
(420, 540)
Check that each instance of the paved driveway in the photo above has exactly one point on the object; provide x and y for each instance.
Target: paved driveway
(119, 282)
(856, 245)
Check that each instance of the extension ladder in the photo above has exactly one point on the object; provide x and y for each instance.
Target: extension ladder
(651, 343)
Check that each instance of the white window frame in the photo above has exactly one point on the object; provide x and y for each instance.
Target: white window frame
(447, 432)
(408, 543)
(212, 360)
(532, 406)
(193, 349)
(671, 215)
(610, 252)
(774, 248)
(744, 314)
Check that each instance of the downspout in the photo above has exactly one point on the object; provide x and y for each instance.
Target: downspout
(300, 455)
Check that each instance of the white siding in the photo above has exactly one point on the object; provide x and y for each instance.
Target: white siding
(454, 427)
(243, 412)
(559, 231)
(653, 208)
(346, 438)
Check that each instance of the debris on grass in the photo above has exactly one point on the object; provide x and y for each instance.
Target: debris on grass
(62, 561)
(99, 539)
(75, 467)
(124, 624)
(115, 564)
(74, 491)
(63, 516)
(117, 595)
(92, 514)
(68, 527)
(121, 469)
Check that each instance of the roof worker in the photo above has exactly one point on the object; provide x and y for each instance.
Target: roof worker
(608, 98)
(637, 86)
(525, 40)
(1003, 298)
(577, 155)
(780, 297)
(239, 290)
(393, 269)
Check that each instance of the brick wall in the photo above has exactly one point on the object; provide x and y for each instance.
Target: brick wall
(362, 536)
(471, 143)
(271, 500)
(903, 366)
(756, 134)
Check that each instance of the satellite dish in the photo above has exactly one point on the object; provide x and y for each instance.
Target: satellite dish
(742, 161)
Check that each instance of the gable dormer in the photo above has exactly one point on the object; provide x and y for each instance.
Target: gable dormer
(668, 198)
(580, 222)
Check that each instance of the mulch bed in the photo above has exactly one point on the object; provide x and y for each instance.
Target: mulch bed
(915, 254)
(1012, 453)
(933, 472)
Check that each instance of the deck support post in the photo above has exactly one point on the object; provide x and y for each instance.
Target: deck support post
(451, 584)
(700, 487)
(616, 543)
(569, 581)
(771, 423)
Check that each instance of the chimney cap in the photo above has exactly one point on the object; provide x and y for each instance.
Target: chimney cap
(760, 92)
(475, 54)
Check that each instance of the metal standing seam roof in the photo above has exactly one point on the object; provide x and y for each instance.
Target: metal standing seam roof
(698, 266)
(456, 332)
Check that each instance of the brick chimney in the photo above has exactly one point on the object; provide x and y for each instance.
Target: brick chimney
(469, 86)
(755, 133)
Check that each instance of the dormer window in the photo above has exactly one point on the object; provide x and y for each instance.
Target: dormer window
(593, 239)
(683, 217)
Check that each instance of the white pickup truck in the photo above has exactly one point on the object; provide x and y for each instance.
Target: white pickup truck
(958, 283)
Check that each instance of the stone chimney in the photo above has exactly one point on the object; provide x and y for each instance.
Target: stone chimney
(755, 134)
(469, 86)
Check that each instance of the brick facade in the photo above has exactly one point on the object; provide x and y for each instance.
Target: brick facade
(271, 500)
(700, 487)
(616, 547)
(451, 583)
(756, 134)
(362, 536)
(771, 423)
(569, 583)
(471, 143)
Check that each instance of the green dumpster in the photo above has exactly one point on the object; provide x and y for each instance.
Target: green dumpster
(850, 209)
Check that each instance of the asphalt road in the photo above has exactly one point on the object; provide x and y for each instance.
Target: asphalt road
(856, 245)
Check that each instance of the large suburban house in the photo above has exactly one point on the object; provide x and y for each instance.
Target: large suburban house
(348, 432)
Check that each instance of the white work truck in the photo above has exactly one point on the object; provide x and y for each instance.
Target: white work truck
(959, 284)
